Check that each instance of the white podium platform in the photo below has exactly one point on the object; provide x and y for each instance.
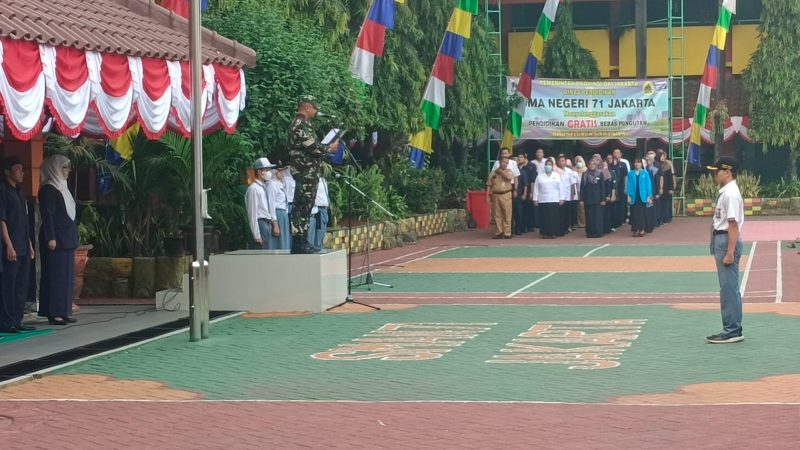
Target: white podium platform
(271, 281)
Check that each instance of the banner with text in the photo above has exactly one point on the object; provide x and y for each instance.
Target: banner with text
(602, 109)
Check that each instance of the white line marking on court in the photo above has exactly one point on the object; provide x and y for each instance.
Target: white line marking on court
(108, 352)
(779, 278)
(398, 257)
(746, 276)
(592, 251)
(378, 269)
(532, 284)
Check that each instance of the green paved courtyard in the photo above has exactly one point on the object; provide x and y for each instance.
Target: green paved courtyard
(272, 358)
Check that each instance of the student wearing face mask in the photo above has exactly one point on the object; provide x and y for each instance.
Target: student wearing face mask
(279, 210)
(258, 214)
(547, 195)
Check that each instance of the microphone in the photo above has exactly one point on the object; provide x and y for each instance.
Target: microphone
(325, 115)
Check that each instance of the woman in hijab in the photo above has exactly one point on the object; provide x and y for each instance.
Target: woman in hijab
(580, 167)
(548, 195)
(593, 197)
(58, 239)
(611, 195)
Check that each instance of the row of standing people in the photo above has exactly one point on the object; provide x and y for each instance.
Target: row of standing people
(58, 239)
(269, 202)
(549, 194)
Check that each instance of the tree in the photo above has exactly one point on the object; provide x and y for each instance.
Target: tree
(565, 58)
(293, 59)
(641, 57)
(391, 106)
(771, 79)
(563, 55)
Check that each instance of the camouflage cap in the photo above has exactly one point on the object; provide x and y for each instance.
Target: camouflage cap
(308, 99)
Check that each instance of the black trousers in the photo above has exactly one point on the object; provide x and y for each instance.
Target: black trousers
(608, 216)
(14, 290)
(530, 214)
(573, 213)
(518, 225)
(563, 217)
(665, 208)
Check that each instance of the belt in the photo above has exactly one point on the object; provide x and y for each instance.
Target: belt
(717, 232)
(501, 193)
(265, 220)
(322, 207)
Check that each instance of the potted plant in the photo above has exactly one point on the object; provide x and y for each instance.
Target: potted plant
(87, 218)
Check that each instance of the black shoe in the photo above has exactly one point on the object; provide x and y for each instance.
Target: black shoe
(54, 321)
(497, 236)
(723, 339)
(300, 246)
(22, 327)
(507, 237)
(9, 330)
(70, 320)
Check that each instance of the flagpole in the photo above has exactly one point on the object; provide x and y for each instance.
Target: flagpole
(198, 297)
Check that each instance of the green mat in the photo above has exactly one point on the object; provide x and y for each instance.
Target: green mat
(8, 338)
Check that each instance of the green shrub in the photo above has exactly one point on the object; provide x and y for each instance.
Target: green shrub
(348, 203)
(423, 189)
(783, 188)
(458, 180)
(704, 187)
(749, 185)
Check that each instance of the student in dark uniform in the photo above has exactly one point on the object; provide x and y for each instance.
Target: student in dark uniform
(58, 239)
(593, 196)
(520, 224)
(18, 251)
(531, 172)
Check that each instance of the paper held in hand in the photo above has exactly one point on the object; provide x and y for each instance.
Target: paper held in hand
(332, 135)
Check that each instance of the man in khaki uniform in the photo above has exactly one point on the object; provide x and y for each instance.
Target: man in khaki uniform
(500, 186)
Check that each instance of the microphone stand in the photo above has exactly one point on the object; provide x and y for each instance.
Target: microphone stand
(349, 298)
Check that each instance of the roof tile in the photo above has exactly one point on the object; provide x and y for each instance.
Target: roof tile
(126, 27)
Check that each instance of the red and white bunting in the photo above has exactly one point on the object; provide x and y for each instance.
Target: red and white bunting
(102, 94)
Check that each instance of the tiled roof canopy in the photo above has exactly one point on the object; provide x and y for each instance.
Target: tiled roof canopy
(735, 96)
(126, 27)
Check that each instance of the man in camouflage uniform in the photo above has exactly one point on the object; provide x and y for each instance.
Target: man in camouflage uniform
(306, 156)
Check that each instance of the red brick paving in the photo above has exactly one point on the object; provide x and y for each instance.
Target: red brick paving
(205, 425)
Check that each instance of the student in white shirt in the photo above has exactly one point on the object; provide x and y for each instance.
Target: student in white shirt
(505, 152)
(320, 217)
(566, 193)
(726, 246)
(279, 209)
(258, 215)
(547, 195)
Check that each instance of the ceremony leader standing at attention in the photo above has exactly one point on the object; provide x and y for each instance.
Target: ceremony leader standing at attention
(726, 246)
(306, 158)
(58, 239)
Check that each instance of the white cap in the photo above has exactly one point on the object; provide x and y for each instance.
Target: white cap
(262, 163)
